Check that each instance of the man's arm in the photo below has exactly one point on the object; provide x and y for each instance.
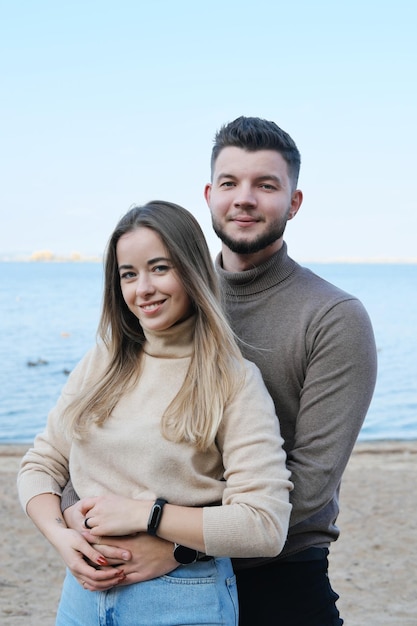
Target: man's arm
(338, 387)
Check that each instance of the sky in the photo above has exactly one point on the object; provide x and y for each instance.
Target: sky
(106, 104)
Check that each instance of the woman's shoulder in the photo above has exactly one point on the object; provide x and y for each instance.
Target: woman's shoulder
(94, 362)
(253, 378)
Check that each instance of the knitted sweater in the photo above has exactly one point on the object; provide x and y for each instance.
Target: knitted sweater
(129, 456)
(315, 347)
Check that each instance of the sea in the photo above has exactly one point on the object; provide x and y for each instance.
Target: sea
(49, 312)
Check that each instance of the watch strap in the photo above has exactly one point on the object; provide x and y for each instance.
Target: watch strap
(155, 516)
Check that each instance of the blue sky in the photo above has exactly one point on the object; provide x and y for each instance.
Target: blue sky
(106, 104)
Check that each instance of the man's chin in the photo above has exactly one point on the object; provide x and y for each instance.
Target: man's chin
(252, 245)
(253, 242)
(245, 246)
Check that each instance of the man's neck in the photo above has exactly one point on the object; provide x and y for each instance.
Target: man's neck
(234, 262)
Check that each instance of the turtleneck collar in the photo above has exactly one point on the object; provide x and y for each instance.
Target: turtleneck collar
(175, 342)
(261, 277)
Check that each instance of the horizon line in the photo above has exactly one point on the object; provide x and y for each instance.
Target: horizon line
(45, 256)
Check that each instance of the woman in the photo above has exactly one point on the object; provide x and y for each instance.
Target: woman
(165, 413)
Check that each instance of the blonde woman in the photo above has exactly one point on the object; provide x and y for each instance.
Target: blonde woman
(163, 428)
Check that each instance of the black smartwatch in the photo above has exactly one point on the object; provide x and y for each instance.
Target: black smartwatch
(184, 555)
(155, 516)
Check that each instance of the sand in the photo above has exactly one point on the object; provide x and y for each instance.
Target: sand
(372, 566)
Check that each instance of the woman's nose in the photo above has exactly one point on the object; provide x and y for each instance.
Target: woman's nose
(144, 285)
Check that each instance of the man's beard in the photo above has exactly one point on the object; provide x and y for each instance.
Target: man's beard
(274, 232)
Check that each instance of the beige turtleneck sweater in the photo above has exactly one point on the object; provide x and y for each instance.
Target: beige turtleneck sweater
(129, 456)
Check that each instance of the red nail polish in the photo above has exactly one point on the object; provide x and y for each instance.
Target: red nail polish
(102, 561)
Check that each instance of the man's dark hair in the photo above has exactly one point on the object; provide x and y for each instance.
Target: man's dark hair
(254, 133)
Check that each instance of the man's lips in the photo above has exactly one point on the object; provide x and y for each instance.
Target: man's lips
(244, 220)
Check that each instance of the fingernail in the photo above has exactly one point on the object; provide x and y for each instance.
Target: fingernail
(102, 561)
(125, 556)
(121, 575)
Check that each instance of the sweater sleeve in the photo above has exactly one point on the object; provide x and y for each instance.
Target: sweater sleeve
(254, 518)
(337, 390)
(45, 466)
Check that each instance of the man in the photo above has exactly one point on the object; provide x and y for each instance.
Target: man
(315, 348)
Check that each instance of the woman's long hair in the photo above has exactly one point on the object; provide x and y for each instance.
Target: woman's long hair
(215, 371)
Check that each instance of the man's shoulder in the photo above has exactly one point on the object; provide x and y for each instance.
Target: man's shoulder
(304, 281)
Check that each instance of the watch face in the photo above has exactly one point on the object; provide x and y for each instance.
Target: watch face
(185, 555)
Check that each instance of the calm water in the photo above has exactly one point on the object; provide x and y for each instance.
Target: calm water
(49, 314)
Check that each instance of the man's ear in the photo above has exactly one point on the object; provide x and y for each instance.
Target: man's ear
(207, 192)
(296, 201)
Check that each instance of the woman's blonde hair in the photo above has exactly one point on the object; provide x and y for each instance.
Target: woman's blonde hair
(215, 371)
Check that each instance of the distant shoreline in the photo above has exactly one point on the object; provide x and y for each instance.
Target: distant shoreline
(78, 258)
(53, 259)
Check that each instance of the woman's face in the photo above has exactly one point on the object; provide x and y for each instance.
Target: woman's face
(149, 281)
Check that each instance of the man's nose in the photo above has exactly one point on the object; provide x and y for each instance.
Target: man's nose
(244, 196)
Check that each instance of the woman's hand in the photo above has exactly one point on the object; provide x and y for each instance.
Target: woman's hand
(87, 565)
(113, 515)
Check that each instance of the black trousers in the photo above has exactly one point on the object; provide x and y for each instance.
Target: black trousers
(290, 592)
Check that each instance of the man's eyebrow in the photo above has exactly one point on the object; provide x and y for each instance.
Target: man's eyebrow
(260, 178)
(273, 177)
(224, 175)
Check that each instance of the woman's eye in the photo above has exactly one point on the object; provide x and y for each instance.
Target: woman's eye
(159, 269)
(127, 275)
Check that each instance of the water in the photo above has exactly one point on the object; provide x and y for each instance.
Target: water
(49, 312)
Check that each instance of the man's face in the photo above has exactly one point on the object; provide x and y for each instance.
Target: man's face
(250, 200)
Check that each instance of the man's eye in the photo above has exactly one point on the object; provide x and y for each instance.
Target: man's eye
(227, 183)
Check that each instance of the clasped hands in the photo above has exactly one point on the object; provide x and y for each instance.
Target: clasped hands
(113, 519)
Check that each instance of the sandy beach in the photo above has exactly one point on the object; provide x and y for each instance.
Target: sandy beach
(372, 565)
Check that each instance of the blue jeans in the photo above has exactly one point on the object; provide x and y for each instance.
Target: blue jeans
(203, 593)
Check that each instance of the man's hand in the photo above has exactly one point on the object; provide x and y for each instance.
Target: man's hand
(150, 556)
